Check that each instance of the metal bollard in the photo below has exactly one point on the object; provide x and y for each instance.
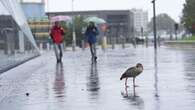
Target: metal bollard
(83, 44)
(147, 41)
(104, 42)
(123, 42)
(41, 46)
(48, 46)
(113, 43)
(64, 45)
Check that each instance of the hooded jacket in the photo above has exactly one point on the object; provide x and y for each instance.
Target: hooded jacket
(91, 34)
(57, 34)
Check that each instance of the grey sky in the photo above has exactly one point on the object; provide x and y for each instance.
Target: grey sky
(171, 7)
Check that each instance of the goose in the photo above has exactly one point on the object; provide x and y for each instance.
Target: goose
(132, 72)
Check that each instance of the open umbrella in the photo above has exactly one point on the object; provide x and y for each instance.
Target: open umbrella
(96, 20)
(60, 18)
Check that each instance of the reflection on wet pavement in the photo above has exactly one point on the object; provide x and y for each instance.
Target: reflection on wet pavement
(156, 73)
(133, 98)
(93, 80)
(59, 84)
(167, 82)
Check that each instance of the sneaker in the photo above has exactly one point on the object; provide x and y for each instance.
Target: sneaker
(95, 58)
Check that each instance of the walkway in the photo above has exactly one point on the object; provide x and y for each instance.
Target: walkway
(167, 83)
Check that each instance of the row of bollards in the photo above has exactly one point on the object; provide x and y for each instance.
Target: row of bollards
(113, 41)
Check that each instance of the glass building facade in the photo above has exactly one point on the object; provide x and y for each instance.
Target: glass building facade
(17, 43)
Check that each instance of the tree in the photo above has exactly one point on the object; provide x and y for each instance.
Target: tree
(188, 18)
(79, 24)
(163, 23)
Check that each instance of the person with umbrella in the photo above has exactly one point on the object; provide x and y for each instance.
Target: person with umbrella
(56, 34)
(91, 33)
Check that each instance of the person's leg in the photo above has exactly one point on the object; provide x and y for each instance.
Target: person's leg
(60, 52)
(91, 49)
(60, 49)
(56, 51)
(94, 50)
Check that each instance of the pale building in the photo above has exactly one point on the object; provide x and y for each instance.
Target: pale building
(38, 7)
(37, 20)
(140, 18)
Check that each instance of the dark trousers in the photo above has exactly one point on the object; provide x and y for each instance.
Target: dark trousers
(92, 49)
(58, 51)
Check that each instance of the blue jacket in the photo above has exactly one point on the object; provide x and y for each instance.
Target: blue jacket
(91, 34)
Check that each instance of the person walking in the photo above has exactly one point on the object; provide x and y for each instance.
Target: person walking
(56, 34)
(91, 33)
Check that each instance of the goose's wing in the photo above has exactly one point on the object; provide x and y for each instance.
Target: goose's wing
(130, 71)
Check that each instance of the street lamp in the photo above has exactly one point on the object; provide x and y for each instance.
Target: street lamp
(73, 29)
(154, 23)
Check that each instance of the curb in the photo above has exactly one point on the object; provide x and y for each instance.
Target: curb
(16, 64)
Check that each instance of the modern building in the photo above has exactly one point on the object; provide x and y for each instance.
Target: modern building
(17, 44)
(37, 19)
(120, 22)
(33, 8)
(9, 29)
(40, 28)
(140, 18)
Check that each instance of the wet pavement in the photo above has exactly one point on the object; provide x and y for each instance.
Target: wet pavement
(167, 82)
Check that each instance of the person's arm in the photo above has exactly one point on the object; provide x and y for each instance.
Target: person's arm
(86, 32)
(51, 34)
(96, 31)
(62, 31)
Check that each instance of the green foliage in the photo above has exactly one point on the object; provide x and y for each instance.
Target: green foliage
(79, 25)
(188, 18)
(163, 23)
(79, 29)
(190, 39)
(68, 32)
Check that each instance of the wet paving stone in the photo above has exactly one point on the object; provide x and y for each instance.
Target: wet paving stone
(167, 82)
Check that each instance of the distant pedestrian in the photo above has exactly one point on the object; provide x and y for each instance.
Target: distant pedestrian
(57, 33)
(91, 33)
